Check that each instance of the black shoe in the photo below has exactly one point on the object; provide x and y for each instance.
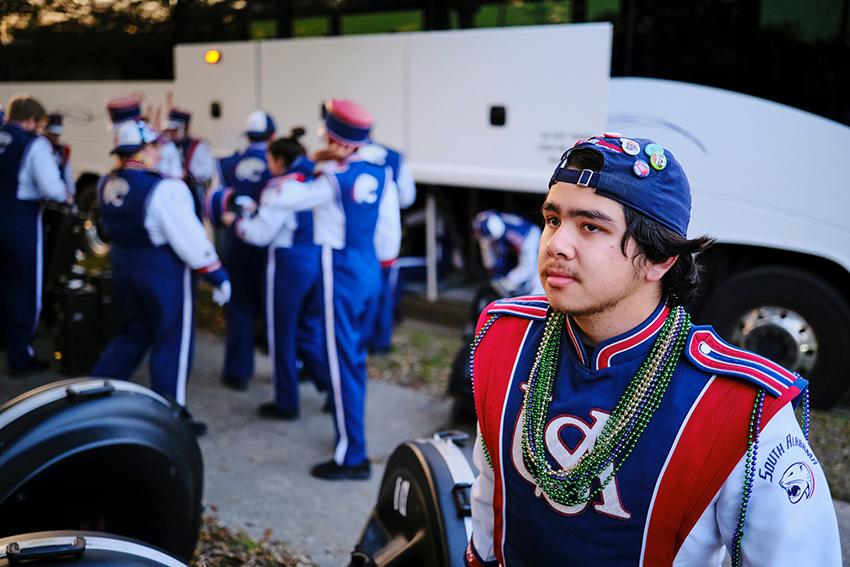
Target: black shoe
(34, 366)
(329, 470)
(328, 406)
(235, 383)
(271, 411)
(199, 428)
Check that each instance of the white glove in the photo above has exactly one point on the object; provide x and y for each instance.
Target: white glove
(221, 294)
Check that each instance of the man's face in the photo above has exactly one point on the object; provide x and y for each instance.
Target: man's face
(581, 263)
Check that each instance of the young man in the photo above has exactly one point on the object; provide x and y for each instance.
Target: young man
(612, 431)
(28, 176)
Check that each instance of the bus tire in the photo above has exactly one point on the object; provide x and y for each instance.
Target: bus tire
(791, 316)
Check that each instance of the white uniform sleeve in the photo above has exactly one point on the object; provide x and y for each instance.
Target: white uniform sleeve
(300, 196)
(69, 179)
(406, 186)
(170, 161)
(526, 266)
(171, 208)
(39, 177)
(202, 166)
(790, 518)
(271, 217)
(482, 503)
(388, 229)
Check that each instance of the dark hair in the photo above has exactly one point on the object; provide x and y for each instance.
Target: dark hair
(23, 107)
(288, 149)
(656, 242)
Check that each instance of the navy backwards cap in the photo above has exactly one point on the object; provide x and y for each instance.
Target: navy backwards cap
(636, 172)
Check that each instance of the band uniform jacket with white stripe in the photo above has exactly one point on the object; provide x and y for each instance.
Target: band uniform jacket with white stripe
(289, 194)
(677, 498)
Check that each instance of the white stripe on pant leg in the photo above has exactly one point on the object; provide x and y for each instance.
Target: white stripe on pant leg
(270, 330)
(185, 338)
(333, 357)
(39, 260)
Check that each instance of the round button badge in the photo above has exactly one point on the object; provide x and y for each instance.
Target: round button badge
(658, 161)
(653, 148)
(641, 168)
(630, 146)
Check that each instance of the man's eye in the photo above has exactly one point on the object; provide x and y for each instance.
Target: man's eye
(554, 222)
(587, 227)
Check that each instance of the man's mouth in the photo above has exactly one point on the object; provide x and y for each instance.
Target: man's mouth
(557, 277)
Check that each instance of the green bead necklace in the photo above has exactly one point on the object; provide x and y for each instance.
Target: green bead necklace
(629, 418)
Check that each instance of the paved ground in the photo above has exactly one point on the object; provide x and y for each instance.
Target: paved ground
(257, 471)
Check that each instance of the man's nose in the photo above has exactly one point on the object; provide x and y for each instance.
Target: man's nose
(562, 244)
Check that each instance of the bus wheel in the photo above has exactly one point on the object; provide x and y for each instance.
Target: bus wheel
(791, 316)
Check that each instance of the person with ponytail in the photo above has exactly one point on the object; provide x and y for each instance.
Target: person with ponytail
(293, 274)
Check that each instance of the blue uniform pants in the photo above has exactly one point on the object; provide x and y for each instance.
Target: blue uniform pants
(351, 283)
(293, 280)
(382, 336)
(20, 285)
(154, 293)
(245, 264)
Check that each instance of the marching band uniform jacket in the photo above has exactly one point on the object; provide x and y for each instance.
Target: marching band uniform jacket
(677, 498)
(157, 243)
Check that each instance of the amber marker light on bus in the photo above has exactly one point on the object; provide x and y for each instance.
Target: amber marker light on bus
(212, 56)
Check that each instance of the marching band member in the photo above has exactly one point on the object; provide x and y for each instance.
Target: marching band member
(157, 242)
(28, 175)
(612, 431)
(380, 340)
(61, 152)
(501, 237)
(199, 167)
(293, 270)
(242, 177)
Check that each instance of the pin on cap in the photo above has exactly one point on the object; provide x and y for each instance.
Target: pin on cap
(653, 149)
(612, 134)
(658, 161)
(630, 146)
(663, 195)
(640, 168)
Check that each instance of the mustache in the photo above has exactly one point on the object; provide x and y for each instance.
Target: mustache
(559, 269)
